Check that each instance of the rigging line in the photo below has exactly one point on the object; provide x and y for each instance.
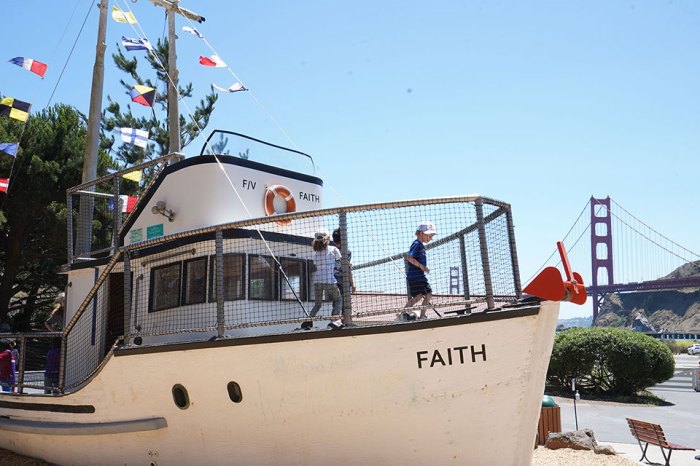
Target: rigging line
(63, 34)
(70, 54)
(652, 229)
(252, 95)
(573, 225)
(651, 240)
(556, 251)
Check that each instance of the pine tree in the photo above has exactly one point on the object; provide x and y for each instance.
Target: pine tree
(33, 221)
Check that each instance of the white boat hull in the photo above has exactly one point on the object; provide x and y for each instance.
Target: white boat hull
(395, 395)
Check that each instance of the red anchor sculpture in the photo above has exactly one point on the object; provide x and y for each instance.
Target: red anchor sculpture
(550, 286)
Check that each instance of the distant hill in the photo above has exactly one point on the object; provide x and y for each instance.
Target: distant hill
(576, 322)
(674, 310)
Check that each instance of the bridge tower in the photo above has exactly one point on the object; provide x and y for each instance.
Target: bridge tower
(601, 249)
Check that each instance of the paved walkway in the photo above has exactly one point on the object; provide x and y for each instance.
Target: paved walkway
(680, 420)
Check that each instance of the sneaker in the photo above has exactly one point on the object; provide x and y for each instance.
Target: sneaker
(307, 325)
(409, 316)
(335, 325)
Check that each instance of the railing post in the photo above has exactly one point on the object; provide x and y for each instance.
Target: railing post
(117, 215)
(465, 270)
(220, 318)
(513, 253)
(345, 267)
(483, 246)
(69, 223)
(62, 363)
(127, 295)
(22, 362)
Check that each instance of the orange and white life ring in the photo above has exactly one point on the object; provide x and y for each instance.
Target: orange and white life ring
(271, 192)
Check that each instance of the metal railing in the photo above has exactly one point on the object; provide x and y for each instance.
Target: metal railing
(236, 279)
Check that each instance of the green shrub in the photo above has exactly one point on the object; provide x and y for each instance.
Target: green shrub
(609, 361)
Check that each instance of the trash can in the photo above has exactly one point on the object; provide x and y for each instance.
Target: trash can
(550, 419)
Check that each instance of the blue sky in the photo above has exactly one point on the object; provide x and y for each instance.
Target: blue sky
(537, 103)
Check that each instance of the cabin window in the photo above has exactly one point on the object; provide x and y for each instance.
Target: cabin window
(165, 286)
(195, 281)
(234, 277)
(262, 282)
(295, 270)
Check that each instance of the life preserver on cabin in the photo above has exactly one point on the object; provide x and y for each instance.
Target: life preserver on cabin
(271, 192)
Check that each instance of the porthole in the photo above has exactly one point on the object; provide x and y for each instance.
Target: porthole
(180, 397)
(234, 392)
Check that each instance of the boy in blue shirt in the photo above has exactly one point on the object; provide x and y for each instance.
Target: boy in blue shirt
(418, 286)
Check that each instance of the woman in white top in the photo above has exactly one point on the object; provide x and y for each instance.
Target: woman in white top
(326, 259)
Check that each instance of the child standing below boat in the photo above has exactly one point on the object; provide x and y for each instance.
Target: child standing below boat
(6, 366)
(418, 286)
(326, 259)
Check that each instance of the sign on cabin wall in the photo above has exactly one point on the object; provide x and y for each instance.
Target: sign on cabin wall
(154, 231)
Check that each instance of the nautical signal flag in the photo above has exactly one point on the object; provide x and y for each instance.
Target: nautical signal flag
(123, 16)
(236, 87)
(30, 64)
(136, 44)
(215, 61)
(133, 176)
(135, 137)
(4, 183)
(10, 148)
(193, 31)
(143, 95)
(127, 203)
(14, 108)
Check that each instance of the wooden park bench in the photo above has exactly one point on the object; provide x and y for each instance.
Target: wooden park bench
(652, 434)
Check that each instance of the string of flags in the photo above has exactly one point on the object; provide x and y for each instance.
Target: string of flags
(10, 148)
(135, 176)
(131, 44)
(143, 95)
(214, 61)
(135, 137)
(15, 108)
(30, 64)
(121, 16)
(236, 87)
(127, 203)
(193, 31)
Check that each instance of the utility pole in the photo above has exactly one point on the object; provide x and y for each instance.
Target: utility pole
(84, 237)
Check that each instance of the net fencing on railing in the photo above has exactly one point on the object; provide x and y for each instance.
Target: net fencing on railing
(259, 276)
(98, 209)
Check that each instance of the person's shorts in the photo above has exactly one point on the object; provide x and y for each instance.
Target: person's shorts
(419, 287)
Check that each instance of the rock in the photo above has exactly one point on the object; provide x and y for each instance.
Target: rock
(605, 450)
(578, 440)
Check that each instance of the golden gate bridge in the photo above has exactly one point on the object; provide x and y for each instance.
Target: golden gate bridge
(624, 254)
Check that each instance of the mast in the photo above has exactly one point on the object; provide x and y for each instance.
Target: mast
(84, 239)
(172, 7)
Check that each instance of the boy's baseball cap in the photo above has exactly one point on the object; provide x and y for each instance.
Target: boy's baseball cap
(321, 235)
(427, 228)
